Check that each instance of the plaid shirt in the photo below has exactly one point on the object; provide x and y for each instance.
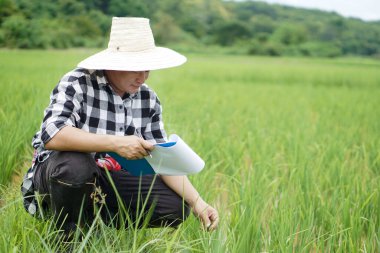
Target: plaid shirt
(84, 99)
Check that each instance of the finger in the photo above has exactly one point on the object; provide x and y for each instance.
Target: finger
(213, 215)
(214, 223)
(132, 157)
(138, 153)
(205, 220)
(146, 145)
(141, 153)
(144, 153)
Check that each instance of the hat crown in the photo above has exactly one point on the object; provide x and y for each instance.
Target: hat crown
(130, 35)
(131, 48)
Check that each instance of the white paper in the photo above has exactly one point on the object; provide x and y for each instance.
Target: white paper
(176, 160)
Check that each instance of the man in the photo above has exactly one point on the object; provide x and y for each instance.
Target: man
(104, 106)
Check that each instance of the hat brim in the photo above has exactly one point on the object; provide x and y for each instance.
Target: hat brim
(153, 59)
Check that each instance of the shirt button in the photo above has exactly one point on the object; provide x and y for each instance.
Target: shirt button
(120, 106)
(121, 128)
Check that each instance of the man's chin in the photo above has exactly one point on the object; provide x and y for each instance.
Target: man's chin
(133, 90)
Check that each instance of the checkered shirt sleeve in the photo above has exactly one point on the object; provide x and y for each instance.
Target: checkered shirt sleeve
(64, 107)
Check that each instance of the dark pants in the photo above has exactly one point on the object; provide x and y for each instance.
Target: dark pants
(72, 185)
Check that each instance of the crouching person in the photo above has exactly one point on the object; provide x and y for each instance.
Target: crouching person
(104, 105)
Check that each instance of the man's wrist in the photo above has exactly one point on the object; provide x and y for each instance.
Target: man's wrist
(195, 201)
(111, 143)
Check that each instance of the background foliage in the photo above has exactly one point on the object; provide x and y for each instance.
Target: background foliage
(193, 25)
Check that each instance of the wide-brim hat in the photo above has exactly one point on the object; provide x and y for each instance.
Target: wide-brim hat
(131, 48)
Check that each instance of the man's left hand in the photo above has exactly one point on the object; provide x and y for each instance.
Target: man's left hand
(208, 215)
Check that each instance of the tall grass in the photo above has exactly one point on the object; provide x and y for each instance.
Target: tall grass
(27, 79)
(292, 151)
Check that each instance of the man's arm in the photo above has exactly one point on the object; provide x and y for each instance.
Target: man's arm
(73, 139)
(183, 187)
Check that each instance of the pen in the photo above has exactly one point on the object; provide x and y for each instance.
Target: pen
(140, 135)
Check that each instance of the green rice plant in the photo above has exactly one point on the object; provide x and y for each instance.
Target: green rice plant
(27, 78)
(292, 151)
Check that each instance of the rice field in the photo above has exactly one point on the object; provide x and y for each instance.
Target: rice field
(292, 151)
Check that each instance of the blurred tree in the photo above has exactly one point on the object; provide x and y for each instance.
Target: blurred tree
(313, 29)
(94, 4)
(18, 32)
(265, 48)
(15, 29)
(102, 21)
(261, 24)
(333, 30)
(320, 49)
(84, 26)
(195, 19)
(255, 27)
(124, 8)
(245, 10)
(226, 34)
(35, 9)
(69, 8)
(290, 34)
(165, 29)
(60, 36)
(7, 8)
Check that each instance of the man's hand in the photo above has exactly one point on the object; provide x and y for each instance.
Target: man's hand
(132, 147)
(208, 215)
(183, 187)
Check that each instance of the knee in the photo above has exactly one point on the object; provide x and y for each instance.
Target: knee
(181, 213)
(73, 167)
(175, 214)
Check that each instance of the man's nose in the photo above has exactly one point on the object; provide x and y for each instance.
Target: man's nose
(141, 77)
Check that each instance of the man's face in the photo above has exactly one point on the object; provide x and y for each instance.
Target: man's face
(126, 81)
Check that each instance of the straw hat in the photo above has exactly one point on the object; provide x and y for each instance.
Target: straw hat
(131, 47)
